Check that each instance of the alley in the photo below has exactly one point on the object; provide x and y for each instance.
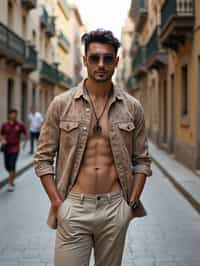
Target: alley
(168, 236)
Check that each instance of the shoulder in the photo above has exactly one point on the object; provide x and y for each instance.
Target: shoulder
(4, 125)
(133, 104)
(38, 114)
(20, 123)
(64, 99)
(60, 102)
(67, 95)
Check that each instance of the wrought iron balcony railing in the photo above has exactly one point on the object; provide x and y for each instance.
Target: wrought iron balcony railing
(177, 21)
(64, 80)
(44, 18)
(48, 23)
(48, 72)
(156, 55)
(141, 14)
(139, 61)
(30, 59)
(11, 45)
(51, 27)
(64, 42)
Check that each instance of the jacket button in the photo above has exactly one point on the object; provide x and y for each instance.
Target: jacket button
(84, 128)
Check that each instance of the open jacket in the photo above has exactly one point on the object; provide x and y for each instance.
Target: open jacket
(64, 135)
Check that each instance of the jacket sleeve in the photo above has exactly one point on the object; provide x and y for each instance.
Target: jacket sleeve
(141, 161)
(48, 141)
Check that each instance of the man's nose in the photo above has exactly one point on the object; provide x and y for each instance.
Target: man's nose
(101, 62)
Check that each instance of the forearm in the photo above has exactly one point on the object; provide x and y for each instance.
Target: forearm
(50, 188)
(138, 186)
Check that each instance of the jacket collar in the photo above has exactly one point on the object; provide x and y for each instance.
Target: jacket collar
(117, 94)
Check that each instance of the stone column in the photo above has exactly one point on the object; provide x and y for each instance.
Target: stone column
(17, 91)
(3, 91)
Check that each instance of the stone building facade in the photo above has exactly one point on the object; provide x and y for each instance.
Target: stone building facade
(37, 53)
(166, 65)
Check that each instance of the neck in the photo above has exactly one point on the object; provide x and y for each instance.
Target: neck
(98, 89)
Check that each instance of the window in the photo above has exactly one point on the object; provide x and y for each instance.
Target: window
(184, 78)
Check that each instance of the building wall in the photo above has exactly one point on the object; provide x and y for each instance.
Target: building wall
(22, 23)
(161, 91)
(28, 88)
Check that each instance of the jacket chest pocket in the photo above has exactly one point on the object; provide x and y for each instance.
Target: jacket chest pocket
(68, 133)
(126, 130)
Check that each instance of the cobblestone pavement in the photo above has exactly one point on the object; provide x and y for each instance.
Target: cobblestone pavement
(168, 236)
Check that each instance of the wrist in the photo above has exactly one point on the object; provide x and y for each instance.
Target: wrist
(134, 204)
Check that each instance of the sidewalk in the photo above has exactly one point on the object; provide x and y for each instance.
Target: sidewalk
(185, 180)
(25, 160)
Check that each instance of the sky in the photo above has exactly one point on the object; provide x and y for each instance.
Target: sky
(108, 14)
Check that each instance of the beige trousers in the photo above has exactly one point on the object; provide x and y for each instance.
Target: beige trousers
(91, 221)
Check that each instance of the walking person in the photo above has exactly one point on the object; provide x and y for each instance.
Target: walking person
(97, 132)
(35, 123)
(10, 133)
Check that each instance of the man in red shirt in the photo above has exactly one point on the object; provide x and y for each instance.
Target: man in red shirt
(10, 133)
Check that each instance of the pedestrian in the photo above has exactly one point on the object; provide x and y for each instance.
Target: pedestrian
(98, 132)
(35, 122)
(10, 133)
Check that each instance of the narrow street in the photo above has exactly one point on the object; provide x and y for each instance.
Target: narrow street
(168, 236)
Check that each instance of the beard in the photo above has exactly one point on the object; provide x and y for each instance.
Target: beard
(101, 77)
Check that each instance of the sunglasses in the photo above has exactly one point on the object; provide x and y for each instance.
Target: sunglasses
(108, 59)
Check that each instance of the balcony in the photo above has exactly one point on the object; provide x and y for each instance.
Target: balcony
(141, 14)
(64, 80)
(29, 4)
(132, 84)
(12, 47)
(139, 62)
(31, 59)
(177, 22)
(63, 41)
(48, 23)
(156, 56)
(44, 18)
(51, 28)
(48, 73)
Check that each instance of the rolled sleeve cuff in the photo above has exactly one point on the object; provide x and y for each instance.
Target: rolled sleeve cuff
(44, 170)
(142, 169)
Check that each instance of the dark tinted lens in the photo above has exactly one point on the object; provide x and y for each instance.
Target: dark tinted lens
(94, 59)
(108, 59)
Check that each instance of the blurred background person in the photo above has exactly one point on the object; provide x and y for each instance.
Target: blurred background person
(35, 122)
(10, 133)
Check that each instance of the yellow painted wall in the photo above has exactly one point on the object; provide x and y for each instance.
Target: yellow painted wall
(62, 25)
(186, 54)
(197, 10)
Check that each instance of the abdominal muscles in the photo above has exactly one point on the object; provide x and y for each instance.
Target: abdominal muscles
(97, 172)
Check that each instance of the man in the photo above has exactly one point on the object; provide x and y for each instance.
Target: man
(35, 120)
(98, 133)
(10, 133)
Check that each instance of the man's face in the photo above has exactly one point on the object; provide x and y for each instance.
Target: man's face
(13, 116)
(100, 61)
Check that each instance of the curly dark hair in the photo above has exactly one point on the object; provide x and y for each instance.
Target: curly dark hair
(100, 36)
